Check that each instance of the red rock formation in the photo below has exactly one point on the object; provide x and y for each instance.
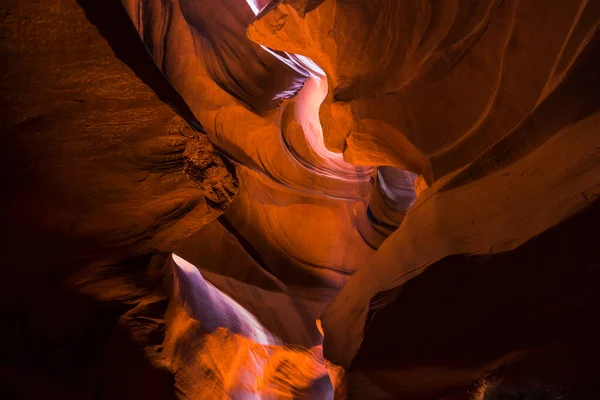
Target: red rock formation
(417, 183)
(98, 185)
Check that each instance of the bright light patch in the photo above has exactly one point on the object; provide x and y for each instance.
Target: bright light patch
(308, 100)
(217, 308)
(253, 6)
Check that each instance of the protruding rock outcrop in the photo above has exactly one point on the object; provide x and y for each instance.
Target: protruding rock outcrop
(400, 206)
(475, 99)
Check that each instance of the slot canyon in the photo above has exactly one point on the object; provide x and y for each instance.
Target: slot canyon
(300, 199)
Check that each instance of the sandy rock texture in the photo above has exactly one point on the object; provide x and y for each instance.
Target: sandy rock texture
(230, 199)
(492, 106)
(258, 252)
(451, 80)
(101, 178)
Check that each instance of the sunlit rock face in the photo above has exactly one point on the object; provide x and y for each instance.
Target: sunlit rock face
(292, 229)
(451, 80)
(472, 99)
(400, 205)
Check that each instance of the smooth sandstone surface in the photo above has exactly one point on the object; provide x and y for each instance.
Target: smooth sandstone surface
(401, 203)
(476, 98)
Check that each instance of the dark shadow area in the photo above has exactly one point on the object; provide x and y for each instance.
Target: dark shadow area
(113, 23)
(61, 344)
(464, 312)
(50, 338)
(124, 373)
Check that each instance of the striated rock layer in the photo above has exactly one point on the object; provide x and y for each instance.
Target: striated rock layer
(409, 191)
(493, 104)
(99, 182)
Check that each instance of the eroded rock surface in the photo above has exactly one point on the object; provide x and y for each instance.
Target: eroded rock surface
(451, 80)
(473, 98)
(97, 189)
(417, 183)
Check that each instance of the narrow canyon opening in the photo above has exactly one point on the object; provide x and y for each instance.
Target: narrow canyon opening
(300, 199)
